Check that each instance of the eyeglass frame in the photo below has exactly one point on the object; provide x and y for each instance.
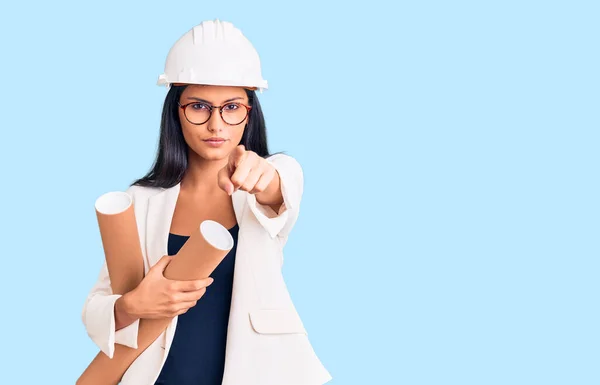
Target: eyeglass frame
(184, 106)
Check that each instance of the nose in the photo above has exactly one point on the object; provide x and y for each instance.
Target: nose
(215, 122)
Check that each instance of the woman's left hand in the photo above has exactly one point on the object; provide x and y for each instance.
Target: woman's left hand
(248, 171)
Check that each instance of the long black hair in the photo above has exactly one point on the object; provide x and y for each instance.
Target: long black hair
(172, 158)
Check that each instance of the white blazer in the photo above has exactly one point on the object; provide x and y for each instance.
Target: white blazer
(267, 343)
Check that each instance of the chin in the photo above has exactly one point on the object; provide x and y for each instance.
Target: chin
(214, 153)
(212, 157)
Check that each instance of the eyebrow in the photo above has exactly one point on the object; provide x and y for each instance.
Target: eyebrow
(207, 102)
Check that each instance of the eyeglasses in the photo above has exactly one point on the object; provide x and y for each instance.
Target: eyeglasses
(199, 113)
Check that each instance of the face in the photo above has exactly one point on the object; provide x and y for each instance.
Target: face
(198, 136)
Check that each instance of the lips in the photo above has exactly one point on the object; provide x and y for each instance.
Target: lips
(215, 141)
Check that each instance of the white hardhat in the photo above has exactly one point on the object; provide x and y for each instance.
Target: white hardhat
(213, 53)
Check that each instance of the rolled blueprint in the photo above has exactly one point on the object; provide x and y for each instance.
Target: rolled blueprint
(198, 258)
(120, 240)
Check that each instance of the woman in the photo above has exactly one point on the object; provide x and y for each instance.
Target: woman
(238, 326)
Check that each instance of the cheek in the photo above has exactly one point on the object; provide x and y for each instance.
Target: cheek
(188, 132)
(236, 135)
(185, 129)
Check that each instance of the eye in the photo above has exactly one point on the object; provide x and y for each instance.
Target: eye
(231, 107)
(199, 107)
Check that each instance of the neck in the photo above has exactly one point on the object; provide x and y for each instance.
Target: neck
(201, 174)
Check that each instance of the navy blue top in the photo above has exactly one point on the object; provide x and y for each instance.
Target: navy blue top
(197, 354)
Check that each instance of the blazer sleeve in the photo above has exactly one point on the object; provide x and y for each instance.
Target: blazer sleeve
(279, 224)
(98, 316)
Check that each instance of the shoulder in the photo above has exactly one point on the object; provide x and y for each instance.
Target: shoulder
(142, 192)
(281, 157)
(287, 162)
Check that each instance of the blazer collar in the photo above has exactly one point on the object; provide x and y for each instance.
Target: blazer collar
(161, 207)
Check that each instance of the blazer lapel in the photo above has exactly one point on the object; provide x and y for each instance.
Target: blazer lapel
(234, 348)
(238, 198)
(161, 207)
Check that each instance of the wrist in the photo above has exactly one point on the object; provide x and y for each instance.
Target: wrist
(272, 195)
(129, 304)
(125, 309)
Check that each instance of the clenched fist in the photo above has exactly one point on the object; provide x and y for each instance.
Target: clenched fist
(246, 170)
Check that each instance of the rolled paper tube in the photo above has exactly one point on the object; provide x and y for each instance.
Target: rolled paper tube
(198, 258)
(120, 240)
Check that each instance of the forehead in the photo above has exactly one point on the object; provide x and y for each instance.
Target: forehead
(213, 94)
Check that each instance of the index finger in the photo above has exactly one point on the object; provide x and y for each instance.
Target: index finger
(236, 157)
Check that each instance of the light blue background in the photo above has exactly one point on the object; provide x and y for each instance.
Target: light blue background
(449, 227)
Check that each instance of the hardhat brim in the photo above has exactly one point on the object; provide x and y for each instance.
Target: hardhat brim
(260, 85)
